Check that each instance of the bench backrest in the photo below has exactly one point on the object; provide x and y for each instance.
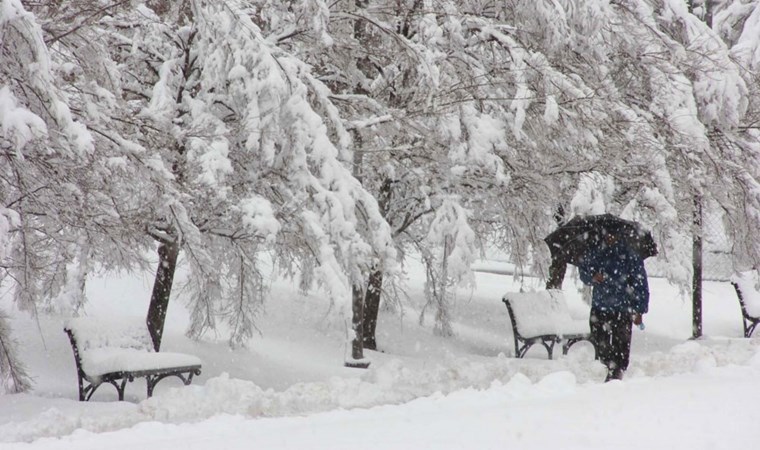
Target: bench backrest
(747, 286)
(539, 313)
(92, 333)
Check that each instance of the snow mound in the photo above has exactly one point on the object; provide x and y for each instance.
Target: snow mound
(389, 383)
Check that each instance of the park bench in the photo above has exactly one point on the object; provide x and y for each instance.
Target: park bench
(543, 317)
(746, 286)
(117, 353)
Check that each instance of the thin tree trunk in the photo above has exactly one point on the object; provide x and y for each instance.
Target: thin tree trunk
(696, 281)
(375, 282)
(442, 325)
(372, 308)
(558, 268)
(357, 303)
(357, 296)
(162, 288)
(557, 271)
(357, 323)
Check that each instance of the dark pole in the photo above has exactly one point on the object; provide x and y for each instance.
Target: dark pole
(696, 283)
(696, 249)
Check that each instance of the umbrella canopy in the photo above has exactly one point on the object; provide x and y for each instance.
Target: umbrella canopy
(572, 240)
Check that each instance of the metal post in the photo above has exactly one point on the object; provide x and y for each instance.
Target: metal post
(696, 249)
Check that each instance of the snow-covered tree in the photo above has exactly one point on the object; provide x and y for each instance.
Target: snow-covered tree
(173, 122)
(44, 183)
(513, 105)
(251, 161)
(738, 158)
(327, 136)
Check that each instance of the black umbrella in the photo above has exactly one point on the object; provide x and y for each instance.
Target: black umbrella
(572, 240)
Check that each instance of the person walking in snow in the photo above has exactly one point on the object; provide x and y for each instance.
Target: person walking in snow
(620, 297)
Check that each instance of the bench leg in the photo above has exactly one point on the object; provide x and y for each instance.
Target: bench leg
(749, 328)
(189, 378)
(186, 380)
(81, 388)
(520, 351)
(569, 343)
(151, 381)
(120, 388)
(88, 391)
(549, 346)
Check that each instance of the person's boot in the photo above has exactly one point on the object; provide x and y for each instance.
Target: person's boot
(614, 374)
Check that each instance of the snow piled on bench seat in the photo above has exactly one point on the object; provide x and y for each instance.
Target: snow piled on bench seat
(544, 313)
(107, 346)
(100, 361)
(749, 285)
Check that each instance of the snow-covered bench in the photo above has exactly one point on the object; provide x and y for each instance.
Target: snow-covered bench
(543, 318)
(118, 352)
(747, 285)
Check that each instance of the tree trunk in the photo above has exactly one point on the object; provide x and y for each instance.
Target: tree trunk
(357, 297)
(556, 274)
(162, 288)
(372, 308)
(357, 323)
(375, 282)
(696, 280)
(557, 268)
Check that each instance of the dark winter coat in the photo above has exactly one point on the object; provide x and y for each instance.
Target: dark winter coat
(625, 287)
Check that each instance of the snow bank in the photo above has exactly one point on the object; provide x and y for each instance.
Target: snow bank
(389, 383)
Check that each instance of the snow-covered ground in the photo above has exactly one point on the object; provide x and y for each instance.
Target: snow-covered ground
(289, 389)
